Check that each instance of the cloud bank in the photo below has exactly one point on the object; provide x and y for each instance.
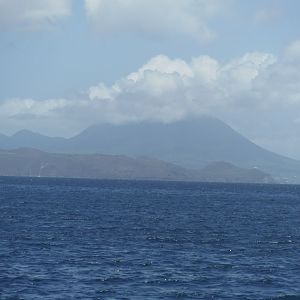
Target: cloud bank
(32, 14)
(256, 87)
(167, 89)
(156, 17)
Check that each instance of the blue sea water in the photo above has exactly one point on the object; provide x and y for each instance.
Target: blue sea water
(89, 239)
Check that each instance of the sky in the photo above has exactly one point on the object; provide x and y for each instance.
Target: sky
(69, 64)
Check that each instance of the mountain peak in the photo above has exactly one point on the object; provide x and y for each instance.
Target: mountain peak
(191, 143)
(25, 133)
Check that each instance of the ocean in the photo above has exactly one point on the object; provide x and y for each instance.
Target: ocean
(101, 239)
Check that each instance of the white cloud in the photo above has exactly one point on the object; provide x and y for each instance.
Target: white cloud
(293, 50)
(15, 107)
(256, 88)
(268, 15)
(156, 17)
(32, 14)
(165, 85)
(163, 89)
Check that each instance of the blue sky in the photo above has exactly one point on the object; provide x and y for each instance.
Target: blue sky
(76, 63)
(73, 56)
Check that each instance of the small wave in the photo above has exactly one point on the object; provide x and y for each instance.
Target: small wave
(112, 280)
(286, 297)
(106, 291)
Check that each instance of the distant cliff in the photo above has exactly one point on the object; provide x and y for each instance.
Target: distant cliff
(36, 163)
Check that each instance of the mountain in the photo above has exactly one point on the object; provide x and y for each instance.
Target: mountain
(226, 172)
(27, 138)
(191, 143)
(36, 163)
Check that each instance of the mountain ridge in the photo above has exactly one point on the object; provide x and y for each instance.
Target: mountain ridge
(191, 143)
(28, 162)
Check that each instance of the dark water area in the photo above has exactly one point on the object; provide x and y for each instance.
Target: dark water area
(89, 239)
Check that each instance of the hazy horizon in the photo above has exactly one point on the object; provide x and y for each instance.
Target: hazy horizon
(119, 125)
(68, 64)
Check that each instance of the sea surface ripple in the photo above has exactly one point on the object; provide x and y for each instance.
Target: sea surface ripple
(93, 239)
